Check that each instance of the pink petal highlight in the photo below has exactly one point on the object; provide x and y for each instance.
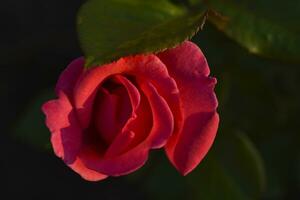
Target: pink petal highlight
(62, 122)
(69, 77)
(187, 147)
(195, 140)
(118, 165)
(86, 173)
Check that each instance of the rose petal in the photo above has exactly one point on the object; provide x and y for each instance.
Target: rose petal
(62, 123)
(133, 92)
(119, 145)
(106, 114)
(196, 138)
(84, 172)
(140, 123)
(69, 77)
(163, 122)
(117, 165)
(125, 138)
(187, 65)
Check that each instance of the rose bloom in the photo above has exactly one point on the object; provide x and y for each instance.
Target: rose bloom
(107, 118)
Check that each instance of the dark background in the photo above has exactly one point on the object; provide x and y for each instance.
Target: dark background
(259, 97)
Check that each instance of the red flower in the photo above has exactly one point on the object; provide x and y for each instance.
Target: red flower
(106, 119)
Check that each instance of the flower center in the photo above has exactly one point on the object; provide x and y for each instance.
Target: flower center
(121, 117)
(112, 109)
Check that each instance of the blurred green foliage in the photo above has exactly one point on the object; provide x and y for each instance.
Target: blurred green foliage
(30, 128)
(259, 97)
(256, 154)
(258, 35)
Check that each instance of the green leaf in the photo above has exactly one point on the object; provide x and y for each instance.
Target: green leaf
(260, 36)
(110, 29)
(232, 170)
(30, 129)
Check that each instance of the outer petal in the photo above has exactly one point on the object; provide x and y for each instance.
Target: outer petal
(187, 147)
(66, 135)
(62, 123)
(69, 77)
(86, 173)
(116, 166)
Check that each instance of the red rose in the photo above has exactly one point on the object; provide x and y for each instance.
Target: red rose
(106, 119)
